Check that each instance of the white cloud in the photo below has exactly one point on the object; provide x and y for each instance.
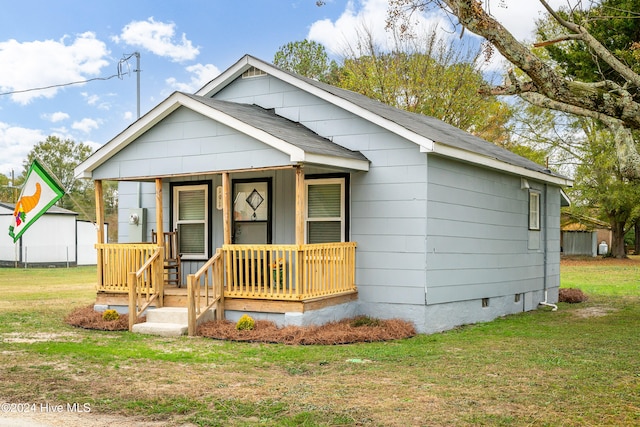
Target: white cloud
(128, 116)
(341, 37)
(158, 38)
(85, 125)
(15, 144)
(58, 116)
(201, 75)
(37, 64)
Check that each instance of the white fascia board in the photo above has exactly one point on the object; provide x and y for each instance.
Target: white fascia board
(162, 110)
(467, 156)
(339, 162)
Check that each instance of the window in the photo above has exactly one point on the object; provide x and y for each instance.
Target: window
(190, 213)
(325, 216)
(534, 210)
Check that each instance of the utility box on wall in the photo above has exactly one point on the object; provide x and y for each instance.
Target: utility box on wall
(137, 224)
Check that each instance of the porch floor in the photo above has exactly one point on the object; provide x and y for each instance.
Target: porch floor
(177, 297)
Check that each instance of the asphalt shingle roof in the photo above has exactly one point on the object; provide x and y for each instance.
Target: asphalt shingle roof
(292, 132)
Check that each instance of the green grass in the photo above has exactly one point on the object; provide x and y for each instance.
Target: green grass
(572, 367)
(603, 279)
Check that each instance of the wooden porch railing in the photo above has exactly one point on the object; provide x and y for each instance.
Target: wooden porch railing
(289, 272)
(146, 285)
(274, 272)
(205, 290)
(118, 260)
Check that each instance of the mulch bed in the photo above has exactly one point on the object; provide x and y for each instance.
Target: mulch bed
(359, 329)
(88, 318)
(347, 331)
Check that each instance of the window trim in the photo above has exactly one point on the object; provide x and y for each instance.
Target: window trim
(534, 210)
(343, 180)
(173, 220)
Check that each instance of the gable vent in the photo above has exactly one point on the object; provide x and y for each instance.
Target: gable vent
(253, 72)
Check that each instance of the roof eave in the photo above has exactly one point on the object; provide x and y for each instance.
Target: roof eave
(493, 163)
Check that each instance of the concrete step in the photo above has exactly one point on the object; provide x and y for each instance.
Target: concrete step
(168, 315)
(169, 321)
(162, 329)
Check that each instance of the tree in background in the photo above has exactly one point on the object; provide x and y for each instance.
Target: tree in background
(306, 58)
(614, 99)
(600, 185)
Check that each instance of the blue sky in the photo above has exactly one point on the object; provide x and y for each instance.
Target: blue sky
(183, 45)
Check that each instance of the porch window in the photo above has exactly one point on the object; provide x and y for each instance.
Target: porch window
(191, 219)
(325, 216)
(534, 210)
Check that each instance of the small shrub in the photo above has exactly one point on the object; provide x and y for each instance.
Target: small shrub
(571, 295)
(110, 315)
(246, 323)
(365, 321)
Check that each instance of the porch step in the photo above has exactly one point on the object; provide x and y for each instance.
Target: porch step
(168, 322)
(161, 329)
(168, 315)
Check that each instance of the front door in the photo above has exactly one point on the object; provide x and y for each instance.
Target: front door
(252, 211)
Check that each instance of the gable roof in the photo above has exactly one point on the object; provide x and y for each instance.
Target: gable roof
(299, 142)
(431, 134)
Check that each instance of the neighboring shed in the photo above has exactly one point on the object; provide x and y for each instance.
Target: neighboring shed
(309, 203)
(583, 235)
(57, 239)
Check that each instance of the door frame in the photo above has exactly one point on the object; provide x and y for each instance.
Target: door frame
(268, 181)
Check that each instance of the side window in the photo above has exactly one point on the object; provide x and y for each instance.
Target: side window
(534, 210)
(325, 214)
(190, 213)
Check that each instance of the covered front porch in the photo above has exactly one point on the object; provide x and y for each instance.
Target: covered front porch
(264, 278)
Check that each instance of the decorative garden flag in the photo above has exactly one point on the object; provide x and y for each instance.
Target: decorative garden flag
(41, 190)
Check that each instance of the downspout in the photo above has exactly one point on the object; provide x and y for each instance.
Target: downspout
(545, 250)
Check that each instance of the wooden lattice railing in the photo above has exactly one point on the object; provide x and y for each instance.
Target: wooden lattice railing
(205, 291)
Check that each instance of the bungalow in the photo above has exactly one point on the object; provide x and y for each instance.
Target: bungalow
(299, 202)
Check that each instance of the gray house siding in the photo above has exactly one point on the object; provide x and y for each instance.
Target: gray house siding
(186, 141)
(478, 243)
(388, 203)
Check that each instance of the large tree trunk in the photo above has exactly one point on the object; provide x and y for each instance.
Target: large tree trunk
(617, 239)
(636, 246)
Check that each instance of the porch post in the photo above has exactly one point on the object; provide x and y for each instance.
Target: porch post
(300, 286)
(300, 205)
(159, 216)
(226, 208)
(99, 228)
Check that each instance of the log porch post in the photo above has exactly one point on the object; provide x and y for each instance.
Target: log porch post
(99, 228)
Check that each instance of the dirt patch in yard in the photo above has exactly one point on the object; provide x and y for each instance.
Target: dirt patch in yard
(631, 261)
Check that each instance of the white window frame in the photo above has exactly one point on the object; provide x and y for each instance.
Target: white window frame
(534, 210)
(176, 221)
(342, 218)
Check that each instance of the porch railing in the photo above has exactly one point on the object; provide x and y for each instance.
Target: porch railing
(275, 272)
(289, 272)
(205, 291)
(118, 260)
(146, 286)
